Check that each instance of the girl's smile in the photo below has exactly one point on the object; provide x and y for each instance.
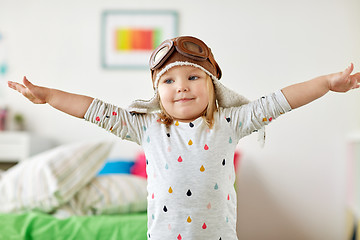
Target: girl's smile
(183, 100)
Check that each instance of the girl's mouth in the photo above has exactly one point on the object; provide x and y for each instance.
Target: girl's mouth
(182, 100)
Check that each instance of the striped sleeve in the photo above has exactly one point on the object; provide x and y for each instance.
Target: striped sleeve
(118, 121)
(255, 115)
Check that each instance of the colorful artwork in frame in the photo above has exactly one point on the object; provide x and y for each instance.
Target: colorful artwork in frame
(129, 36)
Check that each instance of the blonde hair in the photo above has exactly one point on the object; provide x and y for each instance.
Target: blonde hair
(207, 114)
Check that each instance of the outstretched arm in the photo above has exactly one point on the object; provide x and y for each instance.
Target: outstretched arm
(73, 104)
(306, 92)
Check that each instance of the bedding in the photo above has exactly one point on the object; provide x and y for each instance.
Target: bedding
(50, 179)
(59, 194)
(40, 226)
(113, 166)
(108, 194)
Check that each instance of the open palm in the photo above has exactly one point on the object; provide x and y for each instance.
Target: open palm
(35, 94)
(344, 81)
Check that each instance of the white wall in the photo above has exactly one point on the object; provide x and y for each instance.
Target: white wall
(295, 187)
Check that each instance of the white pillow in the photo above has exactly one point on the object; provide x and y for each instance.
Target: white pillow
(108, 194)
(48, 180)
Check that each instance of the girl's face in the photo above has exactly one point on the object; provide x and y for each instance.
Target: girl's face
(184, 93)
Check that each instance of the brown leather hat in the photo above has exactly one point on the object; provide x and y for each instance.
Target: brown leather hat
(181, 49)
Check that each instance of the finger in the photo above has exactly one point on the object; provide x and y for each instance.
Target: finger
(356, 76)
(354, 80)
(348, 70)
(11, 84)
(27, 83)
(16, 86)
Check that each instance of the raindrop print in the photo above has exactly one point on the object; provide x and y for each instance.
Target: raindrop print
(227, 219)
(148, 139)
(228, 119)
(206, 147)
(153, 196)
(223, 162)
(114, 113)
(190, 142)
(165, 209)
(169, 226)
(111, 129)
(144, 128)
(107, 116)
(270, 119)
(169, 149)
(166, 166)
(240, 124)
(191, 124)
(170, 190)
(168, 134)
(202, 169)
(209, 206)
(176, 123)
(180, 159)
(204, 226)
(189, 219)
(179, 237)
(153, 217)
(216, 187)
(228, 197)
(189, 193)
(264, 119)
(147, 162)
(230, 140)
(97, 119)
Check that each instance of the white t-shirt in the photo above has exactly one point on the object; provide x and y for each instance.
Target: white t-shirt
(190, 167)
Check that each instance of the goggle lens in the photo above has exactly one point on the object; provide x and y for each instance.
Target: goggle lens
(192, 47)
(160, 54)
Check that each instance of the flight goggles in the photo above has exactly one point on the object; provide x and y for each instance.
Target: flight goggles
(187, 46)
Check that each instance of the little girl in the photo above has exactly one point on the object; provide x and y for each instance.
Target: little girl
(189, 131)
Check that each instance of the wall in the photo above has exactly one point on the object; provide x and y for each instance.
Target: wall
(294, 188)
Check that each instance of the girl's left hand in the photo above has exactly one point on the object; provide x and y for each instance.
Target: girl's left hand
(343, 81)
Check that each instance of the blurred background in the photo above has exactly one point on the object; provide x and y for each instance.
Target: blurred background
(296, 187)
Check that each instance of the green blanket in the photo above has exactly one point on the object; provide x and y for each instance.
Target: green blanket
(39, 226)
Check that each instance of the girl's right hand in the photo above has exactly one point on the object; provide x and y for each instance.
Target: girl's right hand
(36, 94)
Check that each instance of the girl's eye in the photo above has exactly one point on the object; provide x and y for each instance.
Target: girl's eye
(168, 81)
(193, 77)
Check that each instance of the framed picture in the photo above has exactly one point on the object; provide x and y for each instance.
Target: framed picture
(129, 36)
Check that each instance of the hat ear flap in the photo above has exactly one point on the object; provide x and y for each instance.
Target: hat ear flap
(227, 97)
(145, 106)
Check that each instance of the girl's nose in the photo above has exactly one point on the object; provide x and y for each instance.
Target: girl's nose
(183, 89)
(182, 86)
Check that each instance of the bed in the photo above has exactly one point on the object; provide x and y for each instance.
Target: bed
(68, 193)
(36, 225)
